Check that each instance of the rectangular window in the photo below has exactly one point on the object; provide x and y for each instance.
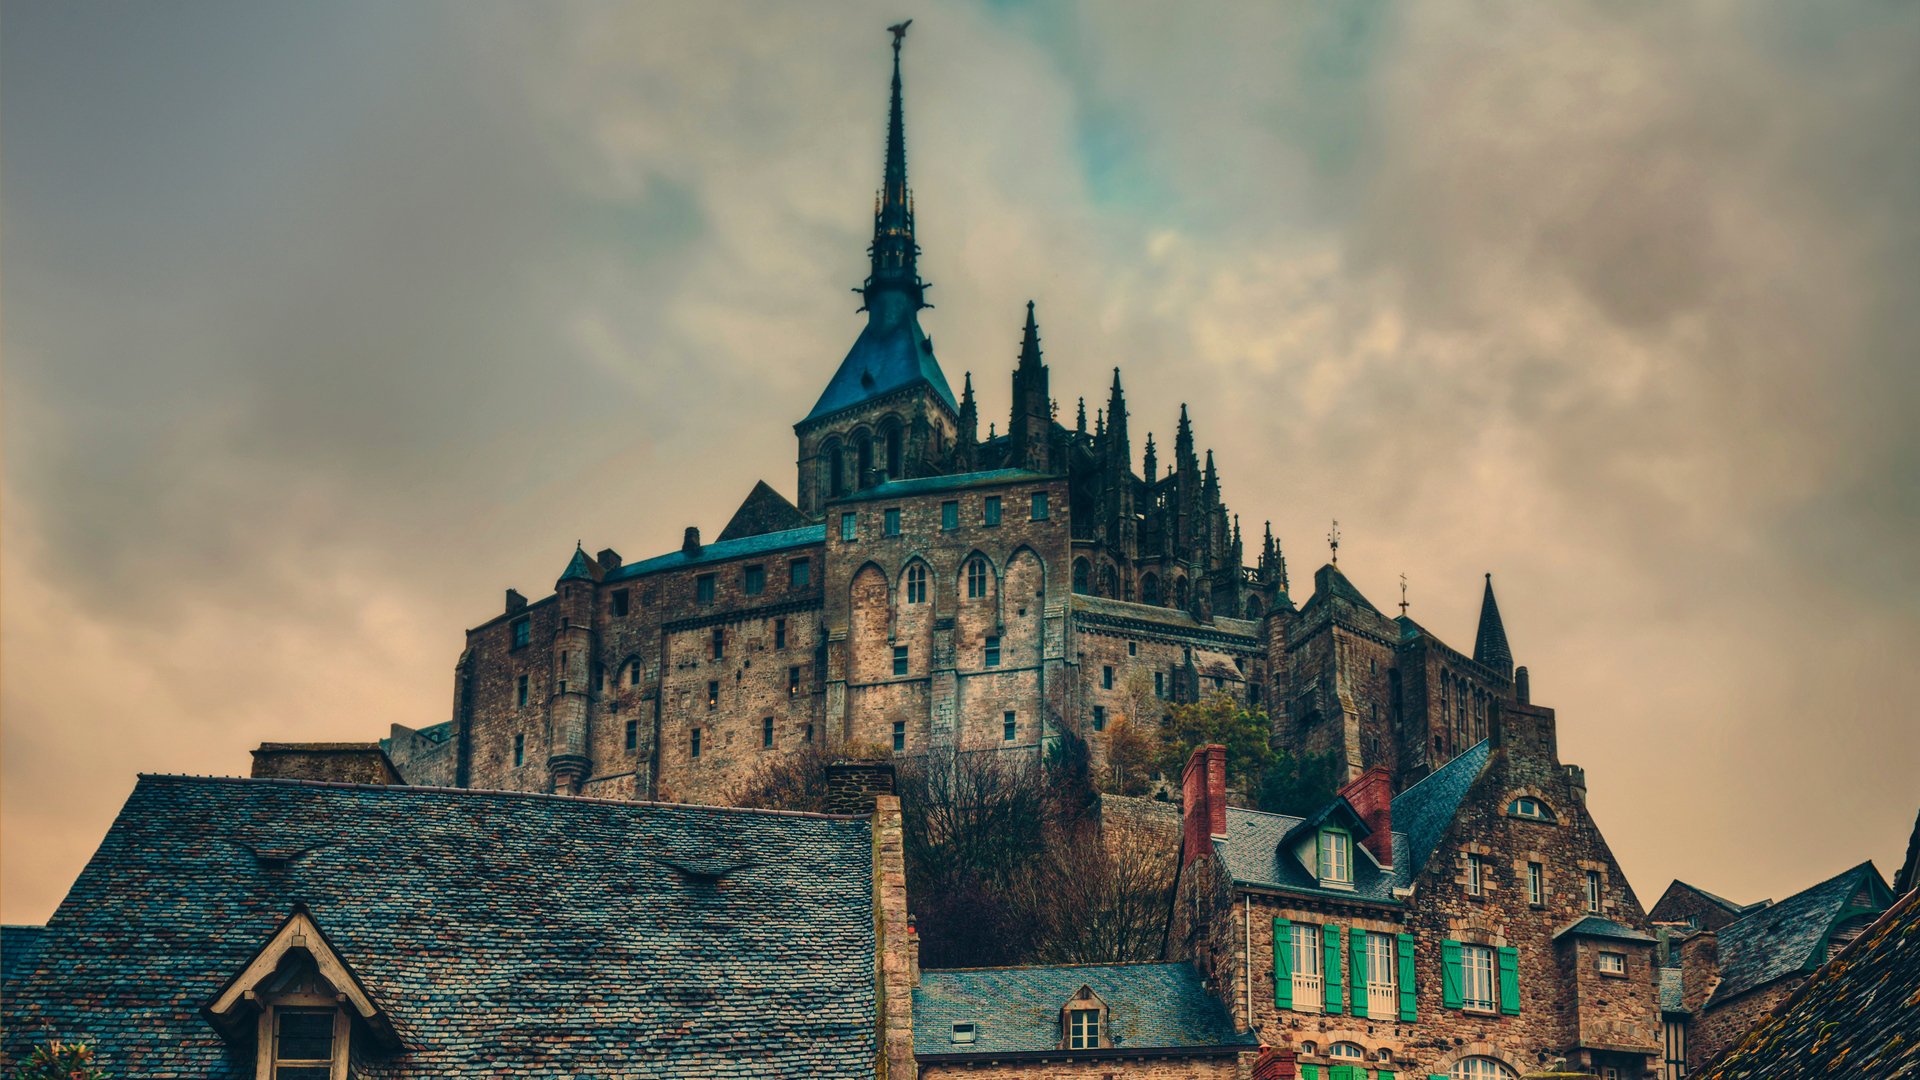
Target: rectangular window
(521, 688)
(1613, 963)
(1593, 891)
(1009, 727)
(1536, 884)
(633, 734)
(899, 659)
(779, 633)
(519, 750)
(695, 745)
(806, 733)
(1039, 506)
(719, 644)
(1133, 648)
(949, 515)
(713, 695)
(1099, 718)
(599, 678)
(1476, 977)
(1308, 986)
(522, 633)
(1382, 977)
(302, 1043)
(1159, 684)
(849, 527)
(1106, 677)
(617, 603)
(1083, 1031)
(633, 673)
(1473, 875)
(990, 512)
(899, 735)
(993, 651)
(891, 518)
(799, 574)
(766, 733)
(755, 580)
(1336, 857)
(703, 588)
(793, 681)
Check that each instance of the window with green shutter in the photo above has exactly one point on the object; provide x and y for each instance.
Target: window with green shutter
(1407, 1007)
(1450, 974)
(1347, 1072)
(1282, 963)
(1357, 964)
(1510, 981)
(1336, 995)
(1310, 1072)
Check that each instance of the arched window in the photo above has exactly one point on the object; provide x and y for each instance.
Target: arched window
(976, 577)
(1082, 571)
(1109, 581)
(1527, 806)
(893, 454)
(1348, 1050)
(837, 471)
(1180, 593)
(917, 583)
(1254, 608)
(1150, 589)
(1481, 1068)
(863, 454)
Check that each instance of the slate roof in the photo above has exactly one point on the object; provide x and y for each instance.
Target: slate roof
(1015, 1010)
(1595, 926)
(891, 353)
(1424, 810)
(1786, 938)
(580, 568)
(764, 510)
(18, 946)
(927, 485)
(1855, 1017)
(1171, 618)
(506, 934)
(1251, 852)
(720, 550)
(1329, 582)
(1673, 996)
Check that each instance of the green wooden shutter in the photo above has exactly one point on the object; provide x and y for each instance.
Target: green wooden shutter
(1309, 1072)
(1282, 964)
(1510, 981)
(1450, 974)
(1384, 1075)
(1357, 964)
(1405, 944)
(1330, 942)
(1347, 1072)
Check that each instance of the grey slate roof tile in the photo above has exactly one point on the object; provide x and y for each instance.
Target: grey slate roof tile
(1252, 855)
(927, 485)
(1017, 1009)
(890, 354)
(719, 550)
(1784, 938)
(1425, 810)
(507, 934)
(18, 946)
(1595, 926)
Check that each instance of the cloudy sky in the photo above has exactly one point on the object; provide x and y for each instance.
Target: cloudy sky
(325, 323)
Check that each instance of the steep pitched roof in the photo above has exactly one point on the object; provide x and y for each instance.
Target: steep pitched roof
(1253, 854)
(1158, 1006)
(18, 946)
(508, 933)
(1789, 937)
(580, 568)
(764, 510)
(891, 353)
(1490, 641)
(1330, 584)
(1596, 927)
(1424, 810)
(1854, 1017)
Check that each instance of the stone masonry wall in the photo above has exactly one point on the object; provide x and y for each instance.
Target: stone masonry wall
(1155, 1068)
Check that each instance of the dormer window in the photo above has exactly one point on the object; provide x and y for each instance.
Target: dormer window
(304, 1043)
(963, 1031)
(1336, 857)
(1083, 1022)
(1526, 806)
(300, 1006)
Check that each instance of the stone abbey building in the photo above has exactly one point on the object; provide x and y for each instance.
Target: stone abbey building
(933, 589)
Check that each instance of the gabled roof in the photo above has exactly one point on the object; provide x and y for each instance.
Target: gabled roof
(505, 933)
(721, 550)
(764, 510)
(1258, 852)
(1854, 1017)
(928, 485)
(891, 353)
(1425, 810)
(1789, 938)
(1596, 927)
(1016, 1010)
(1330, 584)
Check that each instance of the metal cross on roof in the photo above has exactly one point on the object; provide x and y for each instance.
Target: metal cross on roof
(1403, 596)
(1333, 540)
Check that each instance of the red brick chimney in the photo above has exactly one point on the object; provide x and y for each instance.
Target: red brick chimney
(1274, 1063)
(1371, 795)
(1203, 799)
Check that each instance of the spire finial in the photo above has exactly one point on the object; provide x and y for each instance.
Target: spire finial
(894, 252)
(1333, 541)
(1403, 596)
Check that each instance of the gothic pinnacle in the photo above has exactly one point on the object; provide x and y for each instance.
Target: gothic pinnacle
(1081, 424)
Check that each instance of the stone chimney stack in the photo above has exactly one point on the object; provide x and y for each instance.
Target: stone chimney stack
(1371, 795)
(609, 559)
(893, 944)
(853, 785)
(515, 602)
(1203, 799)
(690, 544)
(1522, 686)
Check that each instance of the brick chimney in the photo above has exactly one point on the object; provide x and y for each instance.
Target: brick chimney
(1274, 1063)
(1203, 799)
(1371, 795)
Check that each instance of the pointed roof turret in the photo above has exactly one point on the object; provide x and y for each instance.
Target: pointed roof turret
(1210, 483)
(1030, 340)
(1490, 644)
(892, 353)
(580, 568)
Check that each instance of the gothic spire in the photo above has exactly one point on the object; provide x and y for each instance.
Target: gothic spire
(1081, 424)
(1117, 426)
(1030, 341)
(1183, 443)
(1490, 644)
(894, 252)
(969, 420)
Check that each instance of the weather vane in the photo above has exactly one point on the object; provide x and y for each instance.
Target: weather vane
(1403, 596)
(899, 32)
(1333, 540)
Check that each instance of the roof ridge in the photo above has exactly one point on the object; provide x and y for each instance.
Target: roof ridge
(1060, 967)
(594, 800)
(1443, 768)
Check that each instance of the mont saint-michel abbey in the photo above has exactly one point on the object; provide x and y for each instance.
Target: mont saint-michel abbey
(941, 580)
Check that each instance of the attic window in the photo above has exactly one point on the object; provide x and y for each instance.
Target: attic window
(1528, 807)
(963, 1031)
(1336, 857)
(1083, 1029)
(303, 1044)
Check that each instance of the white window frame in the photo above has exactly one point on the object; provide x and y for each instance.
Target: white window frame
(1083, 1029)
(1536, 884)
(1480, 1068)
(1594, 891)
(1475, 885)
(1383, 975)
(1479, 970)
(1309, 985)
(1335, 858)
(1612, 963)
